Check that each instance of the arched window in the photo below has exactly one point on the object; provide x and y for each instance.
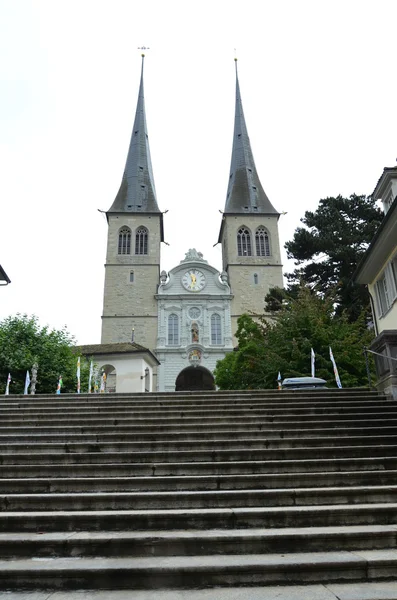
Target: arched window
(256, 278)
(244, 242)
(262, 242)
(216, 329)
(131, 276)
(173, 330)
(124, 246)
(141, 240)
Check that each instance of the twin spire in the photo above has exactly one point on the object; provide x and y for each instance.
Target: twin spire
(245, 193)
(137, 191)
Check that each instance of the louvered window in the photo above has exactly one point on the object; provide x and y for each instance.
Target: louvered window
(262, 242)
(124, 246)
(141, 240)
(244, 242)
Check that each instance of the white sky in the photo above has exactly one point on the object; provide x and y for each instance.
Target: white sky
(318, 89)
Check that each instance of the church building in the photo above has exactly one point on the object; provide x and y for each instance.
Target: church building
(187, 317)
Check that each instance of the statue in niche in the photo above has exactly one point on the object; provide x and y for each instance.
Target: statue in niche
(195, 333)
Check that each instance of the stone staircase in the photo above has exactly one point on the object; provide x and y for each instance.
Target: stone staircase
(188, 491)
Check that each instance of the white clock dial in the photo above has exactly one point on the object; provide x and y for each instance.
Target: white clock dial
(193, 280)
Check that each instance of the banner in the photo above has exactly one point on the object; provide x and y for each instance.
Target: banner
(27, 383)
(90, 377)
(313, 363)
(279, 380)
(78, 375)
(6, 393)
(103, 383)
(337, 378)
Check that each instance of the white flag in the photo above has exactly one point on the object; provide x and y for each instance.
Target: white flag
(337, 378)
(103, 383)
(78, 375)
(6, 393)
(27, 382)
(279, 380)
(60, 384)
(90, 377)
(313, 362)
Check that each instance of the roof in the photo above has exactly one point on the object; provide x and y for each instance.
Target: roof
(137, 191)
(388, 173)
(382, 245)
(245, 193)
(4, 276)
(119, 348)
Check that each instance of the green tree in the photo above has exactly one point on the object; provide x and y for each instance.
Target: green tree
(309, 321)
(329, 247)
(24, 342)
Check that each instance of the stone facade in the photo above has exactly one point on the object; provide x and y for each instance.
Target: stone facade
(250, 277)
(157, 309)
(202, 333)
(131, 282)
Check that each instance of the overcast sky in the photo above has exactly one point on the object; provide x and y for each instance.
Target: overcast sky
(318, 89)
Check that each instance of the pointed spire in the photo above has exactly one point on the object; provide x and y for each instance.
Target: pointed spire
(137, 191)
(245, 193)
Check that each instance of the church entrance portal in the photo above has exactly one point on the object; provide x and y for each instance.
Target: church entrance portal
(194, 378)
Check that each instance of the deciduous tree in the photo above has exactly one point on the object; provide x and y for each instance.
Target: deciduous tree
(24, 342)
(308, 321)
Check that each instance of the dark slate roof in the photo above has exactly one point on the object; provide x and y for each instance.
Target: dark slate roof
(245, 193)
(4, 276)
(137, 191)
(119, 348)
(387, 172)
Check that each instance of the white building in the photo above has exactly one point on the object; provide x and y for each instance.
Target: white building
(128, 367)
(194, 324)
(378, 270)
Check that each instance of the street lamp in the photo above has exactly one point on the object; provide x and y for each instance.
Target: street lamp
(4, 277)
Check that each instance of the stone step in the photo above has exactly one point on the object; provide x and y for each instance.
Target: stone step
(202, 518)
(195, 397)
(100, 483)
(374, 590)
(105, 501)
(214, 455)
(170, 445)
(299, 404)
(156, 469)
(199, 422)
(196, 543)
(161, 490)
(217, 409)
(160, 423)
(117, 434)
(198, 571)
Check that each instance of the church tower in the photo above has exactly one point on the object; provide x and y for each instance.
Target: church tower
(132, 269)
(249, 229)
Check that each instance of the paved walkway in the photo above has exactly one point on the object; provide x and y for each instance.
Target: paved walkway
(360, 591)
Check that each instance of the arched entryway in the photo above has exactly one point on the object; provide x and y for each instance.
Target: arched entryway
(110, 379)
(194, 378)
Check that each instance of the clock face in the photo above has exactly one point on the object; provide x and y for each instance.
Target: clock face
(193, 280)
